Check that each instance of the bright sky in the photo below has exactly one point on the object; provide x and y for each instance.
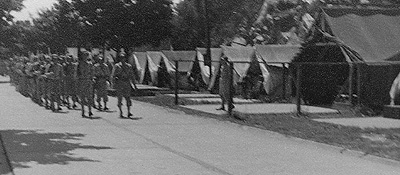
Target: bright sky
(33, 6)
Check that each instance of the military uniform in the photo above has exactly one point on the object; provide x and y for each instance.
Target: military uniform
(123, 75)
(70, 81)
(85, 84)
(56, 74)
(102, 75)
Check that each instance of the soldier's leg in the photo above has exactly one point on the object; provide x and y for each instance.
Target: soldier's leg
(105, 99)
(90, 104)
(128, 104)
(59, 93)
(119, 102)
(98, 98)
(83, 101)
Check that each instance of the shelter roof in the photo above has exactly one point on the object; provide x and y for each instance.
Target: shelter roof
(186, 58)
(141, 57)
(277, 53)
(215, 53)
(373, 33)
(240, 56)
(155, 56)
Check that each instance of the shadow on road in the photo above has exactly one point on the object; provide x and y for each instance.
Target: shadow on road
(27, 146)
(131, 118)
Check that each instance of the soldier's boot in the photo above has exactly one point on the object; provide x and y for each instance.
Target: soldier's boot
(129, 112)
(105, 107)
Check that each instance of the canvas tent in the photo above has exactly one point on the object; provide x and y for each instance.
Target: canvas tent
(186, 59)
(187, 63)
(368, 36)
(140, 59)
(159, 68)
(275, 58)
(133, 60)
(215, 57)
(248, 67)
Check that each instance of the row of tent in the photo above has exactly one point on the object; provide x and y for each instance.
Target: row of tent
(262, 63)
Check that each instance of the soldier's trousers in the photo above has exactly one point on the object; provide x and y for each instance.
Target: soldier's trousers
(56, 90)
(85, 91)
(123, 89)
(101, 90)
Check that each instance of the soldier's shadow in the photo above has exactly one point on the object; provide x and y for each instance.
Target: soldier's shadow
(132, 118)
(108, 111)
(92, 118)
(61, 112)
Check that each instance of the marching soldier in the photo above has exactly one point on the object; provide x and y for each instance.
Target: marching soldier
(102, 75)
(70, 81)
(55, 74)
(85, 82)
(123, 76)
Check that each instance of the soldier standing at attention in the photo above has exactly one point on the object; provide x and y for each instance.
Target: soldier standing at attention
(85, 82)
(102, 75)
(123, 76)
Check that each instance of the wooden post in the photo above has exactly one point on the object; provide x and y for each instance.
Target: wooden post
(351, 72)
(359, 84)
(176, 81)
(298, 88)
(231, 89)
(284, 81)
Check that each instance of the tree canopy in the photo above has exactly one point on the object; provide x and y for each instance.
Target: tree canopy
(132, 23)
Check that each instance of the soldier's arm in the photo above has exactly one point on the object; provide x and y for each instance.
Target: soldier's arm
(108, 73)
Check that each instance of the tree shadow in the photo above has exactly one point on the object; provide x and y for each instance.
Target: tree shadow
(26, 146)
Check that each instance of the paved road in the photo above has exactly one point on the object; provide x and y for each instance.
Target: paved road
(163, 141)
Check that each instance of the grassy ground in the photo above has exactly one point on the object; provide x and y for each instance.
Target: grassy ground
(380, 142)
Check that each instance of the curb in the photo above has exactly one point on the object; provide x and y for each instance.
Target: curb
(3, 147)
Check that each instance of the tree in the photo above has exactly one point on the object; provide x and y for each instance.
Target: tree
(6, 19)
(190, 22)
(123, 24)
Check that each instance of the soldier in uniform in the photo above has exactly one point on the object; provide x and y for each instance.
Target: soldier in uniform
(85, 82)
(123, 76)
(55, 74)
(70, 81)
(225, 84)
(32, 71)
(102, 75)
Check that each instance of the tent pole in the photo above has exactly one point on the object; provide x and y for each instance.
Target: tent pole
(351, 72)
(176, 81)
(284, 81)
(298, 88)
(359, 84)
(231, 89)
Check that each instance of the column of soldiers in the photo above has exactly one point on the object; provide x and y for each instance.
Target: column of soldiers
(53, 81)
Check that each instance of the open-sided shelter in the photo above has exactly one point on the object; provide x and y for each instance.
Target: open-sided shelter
(366, 35)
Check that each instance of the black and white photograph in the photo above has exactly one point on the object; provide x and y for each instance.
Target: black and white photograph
(199, 87)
